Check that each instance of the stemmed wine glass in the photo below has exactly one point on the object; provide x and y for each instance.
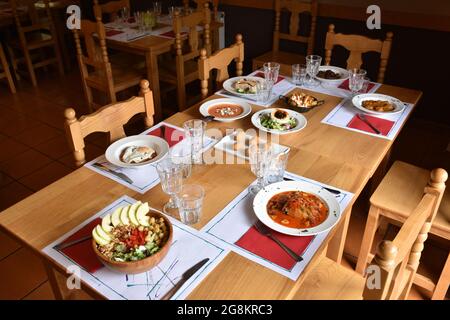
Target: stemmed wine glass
(312, 68)
(356, 80)
(125, 15)
(171, 176)
(260, 155)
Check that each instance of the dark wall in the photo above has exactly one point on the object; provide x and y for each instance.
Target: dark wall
(419, 58)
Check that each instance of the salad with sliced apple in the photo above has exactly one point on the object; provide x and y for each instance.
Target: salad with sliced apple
(129, 234)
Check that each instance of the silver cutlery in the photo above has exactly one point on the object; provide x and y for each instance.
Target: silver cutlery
(185, 277)
(117, 174)
(261, 228)
(363, 118)
(162, 133)
(326, 188)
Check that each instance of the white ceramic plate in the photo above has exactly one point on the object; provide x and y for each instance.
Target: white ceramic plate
(343, 73)
(301, 121)
(228, 85)
(115, 150)
(246, 108)
(226, 144)
(358, 100)
(263, 197)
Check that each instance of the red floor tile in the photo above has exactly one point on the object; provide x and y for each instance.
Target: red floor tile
(24, 164)
(13, 193)
(45, 176)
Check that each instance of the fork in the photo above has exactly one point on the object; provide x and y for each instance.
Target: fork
(262, 229)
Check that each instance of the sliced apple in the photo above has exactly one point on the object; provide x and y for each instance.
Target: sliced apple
(115, 217)
(99, 240)
(102, 233)
(141, 214)
(124, 216)
(132, 213)
(106, 223)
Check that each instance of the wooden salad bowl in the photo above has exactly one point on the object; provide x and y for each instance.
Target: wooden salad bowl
(146, 264)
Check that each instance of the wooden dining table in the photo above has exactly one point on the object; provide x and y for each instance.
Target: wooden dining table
(328, 154)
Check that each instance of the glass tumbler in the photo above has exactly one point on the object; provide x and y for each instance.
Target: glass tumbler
(194, 131)
(356, 80)
(271, 71)
(190, 199)
(277, 167)
(298, 74)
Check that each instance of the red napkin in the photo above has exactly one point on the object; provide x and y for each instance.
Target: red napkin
(261, 75)
(266, 248)
(171, 135)
(111, 33)
(344, 85)
(171, 34)
(82, 252)
(381, 124)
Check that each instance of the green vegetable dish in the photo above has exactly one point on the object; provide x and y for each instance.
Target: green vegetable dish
(278, 120)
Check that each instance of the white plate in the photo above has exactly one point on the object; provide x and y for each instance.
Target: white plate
(341, 71)
(358, 99)
(228, 85)
(263, 197)
(301, 121)
(115, 150)
(227, 142)
(247, 109)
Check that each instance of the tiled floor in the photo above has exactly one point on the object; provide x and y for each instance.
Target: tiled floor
(34, 153)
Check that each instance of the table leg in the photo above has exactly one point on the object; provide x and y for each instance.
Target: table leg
(151, 60)
(336, 245)
(52, 279)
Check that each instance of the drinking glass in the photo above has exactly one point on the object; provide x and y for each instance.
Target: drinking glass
(312, 68)
(277, 166)
(365, 86)
(298, 74)
(157, 8)
(260, 156)
(190, 199)
(181, 156)
(138, 17)
(271, 71)
(356, 80)
(172, 11)
(194, 131)
(171, 176)
(125, 15)
(263, 91)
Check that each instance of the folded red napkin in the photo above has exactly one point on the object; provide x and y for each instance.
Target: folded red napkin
(171, 34)
(82, 252)
(344, 85)
(381, 124)
(261, 75)
(111, 33)
(171, 135)
(266, 248)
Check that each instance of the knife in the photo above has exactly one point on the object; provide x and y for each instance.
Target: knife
(63, 245)
(185, 277)
(117, 174)
(364, 119)
(326, 188)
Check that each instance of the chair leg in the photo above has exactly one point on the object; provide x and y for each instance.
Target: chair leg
(443, 283)
(13, 62)
(369, 234)
(30, 67)
(7, 71)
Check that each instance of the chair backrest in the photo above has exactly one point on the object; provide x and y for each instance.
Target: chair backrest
(110, 8)
(38, 19)
(357, 45)
(96, 57)
(220, 61)
(396, 262)
(295, 7)
(110, 118)
(191, 23)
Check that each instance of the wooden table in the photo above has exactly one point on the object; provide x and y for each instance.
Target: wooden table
(325, 153)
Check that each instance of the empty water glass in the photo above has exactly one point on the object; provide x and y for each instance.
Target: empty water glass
(125, 15)
(298, 74)
(181, 156)
(365, 86)
(356, 80)
(171, 177)
(157, 8)
(260, 156)
(194, 131)
(172, 11)
(312, 68)
(277, 167)
(263, 91)
(190, 199)
(271, 71)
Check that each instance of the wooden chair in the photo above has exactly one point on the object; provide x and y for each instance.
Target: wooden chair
(357, 45)
(38, 34)
(95, 67)
(393, 201)
(110, 8)
(394, 265)
(110, 118)
(6, 73)
(220, 61)
(185, 68)
(287, 59)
